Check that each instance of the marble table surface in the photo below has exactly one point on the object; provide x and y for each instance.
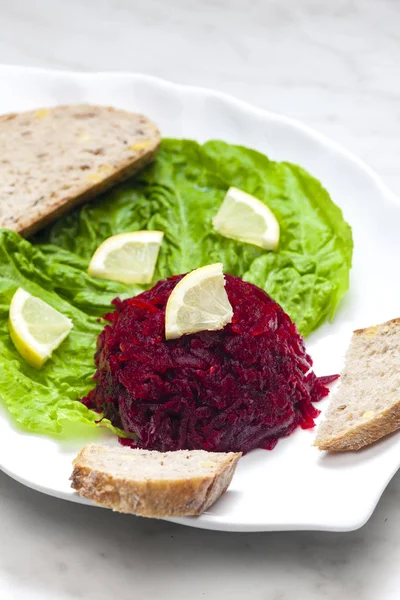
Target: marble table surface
(334, 65)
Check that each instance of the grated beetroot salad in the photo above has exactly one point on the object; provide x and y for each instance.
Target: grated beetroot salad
(231, 390)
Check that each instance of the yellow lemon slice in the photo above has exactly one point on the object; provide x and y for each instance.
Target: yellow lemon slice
(244, 218)
(199, 302)
(35, 327)
(127, 257)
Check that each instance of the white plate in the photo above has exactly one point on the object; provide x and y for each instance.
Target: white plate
(295, 486)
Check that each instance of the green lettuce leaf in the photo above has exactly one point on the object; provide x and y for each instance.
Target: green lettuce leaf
(45, 400)
(179, 194)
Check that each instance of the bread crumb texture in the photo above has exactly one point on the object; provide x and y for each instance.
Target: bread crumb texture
(366, 405)
(153, 484)
(57, 157)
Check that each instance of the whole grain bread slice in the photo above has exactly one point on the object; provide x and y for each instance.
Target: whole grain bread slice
(366, 406)
(54, 159)
(150, 483)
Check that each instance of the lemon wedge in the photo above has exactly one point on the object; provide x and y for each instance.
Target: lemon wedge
(199, 302)
(244, 218)
(127, 257)
(35, 327)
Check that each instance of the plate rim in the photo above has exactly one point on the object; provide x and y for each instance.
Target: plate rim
(243, 104)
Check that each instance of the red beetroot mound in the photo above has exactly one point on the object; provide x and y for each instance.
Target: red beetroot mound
(231, 390)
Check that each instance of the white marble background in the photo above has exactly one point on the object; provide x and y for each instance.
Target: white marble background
(334, 65)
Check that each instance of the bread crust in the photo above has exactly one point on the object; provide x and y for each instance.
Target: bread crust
(389, 323)
(32, 224)
(363, 434)
(155, 498)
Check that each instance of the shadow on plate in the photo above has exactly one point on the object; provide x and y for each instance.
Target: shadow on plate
(340, 460)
